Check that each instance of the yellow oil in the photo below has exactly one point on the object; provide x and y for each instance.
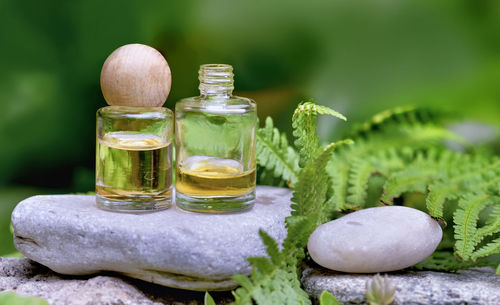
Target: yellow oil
(133, 167)
(208, 177)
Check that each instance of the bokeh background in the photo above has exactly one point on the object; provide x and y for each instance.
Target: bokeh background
(359, 57)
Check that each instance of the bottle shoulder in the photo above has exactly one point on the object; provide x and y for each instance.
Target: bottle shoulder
(232, 104)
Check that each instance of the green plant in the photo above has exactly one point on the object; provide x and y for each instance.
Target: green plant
(397, 153)
(380, 290)
(10, 298)
(276, 280)
(208, 300)
(327, 298)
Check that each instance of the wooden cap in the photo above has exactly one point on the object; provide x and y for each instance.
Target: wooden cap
(135, 75)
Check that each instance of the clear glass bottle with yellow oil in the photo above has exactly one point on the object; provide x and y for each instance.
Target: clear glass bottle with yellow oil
(215, 146)
(134, 158)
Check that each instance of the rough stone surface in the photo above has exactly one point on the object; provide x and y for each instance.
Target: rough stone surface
(28, 278)
(375, 240)
(476, 286)
(70, 235)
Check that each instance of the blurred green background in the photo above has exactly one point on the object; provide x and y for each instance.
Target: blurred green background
(358, 57)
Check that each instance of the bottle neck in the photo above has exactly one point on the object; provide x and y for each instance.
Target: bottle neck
(216, 80)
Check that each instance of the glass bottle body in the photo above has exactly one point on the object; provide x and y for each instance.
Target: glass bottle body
(215, 153)
(134, 158)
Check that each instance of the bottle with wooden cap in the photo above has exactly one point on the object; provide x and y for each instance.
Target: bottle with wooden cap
(215, 146)
(134, 133)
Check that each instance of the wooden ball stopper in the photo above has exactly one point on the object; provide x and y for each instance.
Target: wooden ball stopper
(135, 75)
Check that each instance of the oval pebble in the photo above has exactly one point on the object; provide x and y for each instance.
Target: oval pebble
(377, 239)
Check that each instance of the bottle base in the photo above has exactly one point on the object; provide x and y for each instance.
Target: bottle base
(216, 205)
(133, 205)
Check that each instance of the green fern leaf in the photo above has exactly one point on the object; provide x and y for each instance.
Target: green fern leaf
(379, 119)
(327, 298)
(360, 173)
(299, 228)
(404, 147)
(461, 170)
(401, 137)
(438, 194)
(11, 298)
(274, 153)
(398, 115)
(262, 266)
(304, 128)
(410, 180)
(446, 261)
(270, 284)
(491, 227)
(271, 247)
(387, 161)
(465, 219)
(489, 249)
(275, 280)
(311, 190)
(208, 299)
(339, 177)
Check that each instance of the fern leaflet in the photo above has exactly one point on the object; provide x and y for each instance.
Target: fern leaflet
(489, 249)
(361, 171)
(465, 219)
(274, 153)
(304, 128)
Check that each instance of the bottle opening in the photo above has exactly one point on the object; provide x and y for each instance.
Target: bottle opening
(216, 79)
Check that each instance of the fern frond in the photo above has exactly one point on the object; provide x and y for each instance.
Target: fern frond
(463, 173)
(438, 194)
(492, 225)
(304, 128)
(274, 153)
(410, 180)
(398, 115)
(208, 300)
(360, 173)
(389, 160)
(411, 137)
(379, 119)
(404, 148)
(271, 247)
(339, 177)
(465, 219)
(446, 261)
(275, 280)
(489, 249)
(326, 298)
(311, 190)
(299, 228)
(270, 284)
(242, 295)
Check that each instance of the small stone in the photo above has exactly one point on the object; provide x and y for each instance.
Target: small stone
(70, 235)
(375, 240)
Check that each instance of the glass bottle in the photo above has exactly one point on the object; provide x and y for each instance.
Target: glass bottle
(215, 146)
(134, 158)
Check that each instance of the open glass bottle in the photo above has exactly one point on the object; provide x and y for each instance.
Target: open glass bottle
(215, 146)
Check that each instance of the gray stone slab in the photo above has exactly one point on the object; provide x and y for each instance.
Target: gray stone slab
(70, 235)
(28, 278)
(475, 286)
(25, 277)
